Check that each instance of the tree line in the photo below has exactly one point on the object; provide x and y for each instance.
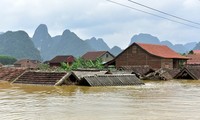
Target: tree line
(82, 64)
(7, 60)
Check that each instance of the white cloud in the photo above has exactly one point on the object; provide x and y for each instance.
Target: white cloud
(101, 18)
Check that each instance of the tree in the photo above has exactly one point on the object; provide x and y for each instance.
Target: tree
(191, 52)
(7, 60)
(66, 66)
(81, 63)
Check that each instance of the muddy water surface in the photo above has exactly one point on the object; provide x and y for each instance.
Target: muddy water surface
(169, 100)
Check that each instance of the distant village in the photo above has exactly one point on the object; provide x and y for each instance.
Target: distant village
(136, 63)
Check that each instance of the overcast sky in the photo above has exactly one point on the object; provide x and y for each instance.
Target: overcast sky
(102, 19)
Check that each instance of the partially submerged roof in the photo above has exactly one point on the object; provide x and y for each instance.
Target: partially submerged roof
(194, 59)
(111, 80)
(81, 74)
(141, 70)
(160, 51)
(196, 51)
(93, 55)
(25, 61)
(62, 58)
(9, 73)
(189, 73)
(47, 78)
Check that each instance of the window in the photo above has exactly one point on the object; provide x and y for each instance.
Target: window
(107, 55)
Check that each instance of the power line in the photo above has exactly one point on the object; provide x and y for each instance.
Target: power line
(152, 14)
(164, 12)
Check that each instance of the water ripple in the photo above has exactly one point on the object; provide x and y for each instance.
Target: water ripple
(154, 101)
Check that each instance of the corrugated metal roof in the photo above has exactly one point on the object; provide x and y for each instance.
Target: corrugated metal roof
(81, 74)
(111, 80)
(189, 72)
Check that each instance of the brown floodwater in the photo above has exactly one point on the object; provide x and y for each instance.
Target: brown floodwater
(156, 100)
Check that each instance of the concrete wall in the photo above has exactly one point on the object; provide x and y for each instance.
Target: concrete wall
(106, 57)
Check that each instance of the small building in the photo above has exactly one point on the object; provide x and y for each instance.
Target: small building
(196, 51)
(46, 62)
(27, 63)
(10, 73)
(105, 56)
(139, 70)
(56, 61)
(155, 56)
(189, 73)
(47, 78)
(194, 60)
(111, 80)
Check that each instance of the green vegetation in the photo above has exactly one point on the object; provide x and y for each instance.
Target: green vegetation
(191, 52)
(44, 67)
(83, 64)
(7, 60)
(19, 45)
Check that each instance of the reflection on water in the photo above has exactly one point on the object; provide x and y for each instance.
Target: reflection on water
(158, 100)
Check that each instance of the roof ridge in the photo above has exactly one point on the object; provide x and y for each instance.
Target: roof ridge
(160, 50)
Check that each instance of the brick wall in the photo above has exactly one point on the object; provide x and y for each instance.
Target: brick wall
(135, 55)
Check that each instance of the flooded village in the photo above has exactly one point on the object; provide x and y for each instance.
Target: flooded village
(136, 63)
(145, 81)
(99, 60)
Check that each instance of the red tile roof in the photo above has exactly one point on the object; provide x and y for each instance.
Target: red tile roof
(161, 51)
(23, 61)
(194, 59)
(93, 55)
(64, 58)
(196, 51)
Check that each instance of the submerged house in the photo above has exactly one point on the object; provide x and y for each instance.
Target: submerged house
(105, 56)
(47, 78)
(194, 59)
(155, 56)
(111, 80)
(56, 61)
(10, 73)
(27, 63)
(196, 51)
(189, 73)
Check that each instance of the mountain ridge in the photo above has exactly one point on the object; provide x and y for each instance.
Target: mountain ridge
(43, 46)
(149, 39)
(68, 43)
(18, 44)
